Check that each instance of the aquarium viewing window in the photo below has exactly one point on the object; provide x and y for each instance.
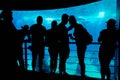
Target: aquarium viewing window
(92, 16)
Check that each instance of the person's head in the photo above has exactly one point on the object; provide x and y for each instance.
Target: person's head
(25, 27)
(39, 20)
(64, 18)
(7, 15)
(72, 20)
(54, 24)
(111, 24)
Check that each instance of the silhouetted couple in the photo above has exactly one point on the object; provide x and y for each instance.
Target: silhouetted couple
(59, 42)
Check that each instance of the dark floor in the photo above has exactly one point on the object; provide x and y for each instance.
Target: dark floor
(29, 75)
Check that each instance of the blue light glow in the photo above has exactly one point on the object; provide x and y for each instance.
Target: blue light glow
(101, 15)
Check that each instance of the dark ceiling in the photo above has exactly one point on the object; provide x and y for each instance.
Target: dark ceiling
(41, 4)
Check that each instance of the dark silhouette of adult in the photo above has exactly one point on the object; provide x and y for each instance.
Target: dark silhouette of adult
(64, 49)
(82, 39)
(52, 43)
(107, 48)
(8, 45)
(24, 31)
(38, 32)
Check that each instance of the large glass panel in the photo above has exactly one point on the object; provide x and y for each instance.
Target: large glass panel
(92, 16)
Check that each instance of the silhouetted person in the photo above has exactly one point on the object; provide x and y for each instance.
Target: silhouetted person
(8, 44)
(52, 43)
(64, 49)
(38, 32)
(107, 48)
(20, 37)
(81, 37)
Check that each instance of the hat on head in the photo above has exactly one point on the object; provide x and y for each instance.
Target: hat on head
(111, 21)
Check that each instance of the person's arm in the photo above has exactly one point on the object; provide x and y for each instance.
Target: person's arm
(28, 35)
(71, 36)
(100, 37)
(70, 28)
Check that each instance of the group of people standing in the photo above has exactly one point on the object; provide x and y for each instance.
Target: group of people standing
(57, 41)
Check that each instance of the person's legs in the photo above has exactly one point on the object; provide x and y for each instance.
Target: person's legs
(40, 64)
(102, 71)
(51, 65)
(20, 59)
(53, 52)
(61, 64)
(41, 57)
(108, 72)
(81, 55)
(55, 61)
(34, 57)
(51, 59)
(102, 65)
(65, 55)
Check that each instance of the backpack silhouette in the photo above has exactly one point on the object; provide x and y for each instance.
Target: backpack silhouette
(89, 38)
